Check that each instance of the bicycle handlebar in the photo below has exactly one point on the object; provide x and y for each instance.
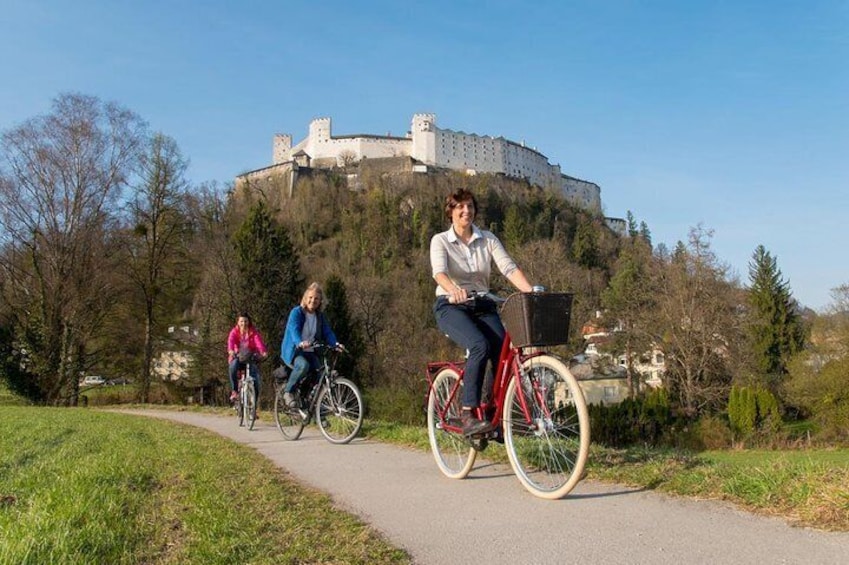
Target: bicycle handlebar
(477, 295)
(322, 345)
(253, 357)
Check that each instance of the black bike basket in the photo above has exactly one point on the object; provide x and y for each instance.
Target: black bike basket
(537, 318)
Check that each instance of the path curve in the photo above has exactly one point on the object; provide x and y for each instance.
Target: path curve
(490, 518)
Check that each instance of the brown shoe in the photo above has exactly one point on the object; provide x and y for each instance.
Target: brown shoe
(472, 426)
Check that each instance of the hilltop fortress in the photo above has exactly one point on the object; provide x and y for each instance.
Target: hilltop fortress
(425, 146)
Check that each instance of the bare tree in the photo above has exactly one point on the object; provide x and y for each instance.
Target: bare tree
(697, 324)
(61, 176)
(215, 298)
(155, 239)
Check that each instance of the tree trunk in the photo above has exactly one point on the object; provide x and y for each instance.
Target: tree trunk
(148, 354)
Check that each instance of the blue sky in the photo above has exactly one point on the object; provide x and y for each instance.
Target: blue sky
(729, 114)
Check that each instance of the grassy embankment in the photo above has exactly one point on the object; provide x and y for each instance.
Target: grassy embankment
(85, 486)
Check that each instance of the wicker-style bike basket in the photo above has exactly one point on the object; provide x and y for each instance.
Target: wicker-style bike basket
(537, 318)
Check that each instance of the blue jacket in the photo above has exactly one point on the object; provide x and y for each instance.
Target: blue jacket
(294, 327)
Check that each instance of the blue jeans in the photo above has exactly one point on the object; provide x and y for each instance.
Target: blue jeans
(477, 329)
(235, 365)
(301, 364)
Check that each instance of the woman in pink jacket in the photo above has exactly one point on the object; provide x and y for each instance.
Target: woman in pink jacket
(244, 341)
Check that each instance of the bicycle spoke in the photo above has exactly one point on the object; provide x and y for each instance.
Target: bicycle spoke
(288, 421)
(454, 456)
(546, 428)
(340, 411)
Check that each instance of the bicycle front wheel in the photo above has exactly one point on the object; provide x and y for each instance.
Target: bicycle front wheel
(339, 411)
(250, 406)
(240, 415)
(288, 420)
(546, 427)
(454, 455)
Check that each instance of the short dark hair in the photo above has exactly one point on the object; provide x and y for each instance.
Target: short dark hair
(455, 198)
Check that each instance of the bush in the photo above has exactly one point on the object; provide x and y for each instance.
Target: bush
(824, 395)
(642, 420)
(395, 404)
(753, 414)
(711, 432)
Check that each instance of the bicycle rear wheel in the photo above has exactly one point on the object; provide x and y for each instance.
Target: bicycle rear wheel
(546, 427)
(288, 420)
(453, 453)
(339, 411)
(250, 406)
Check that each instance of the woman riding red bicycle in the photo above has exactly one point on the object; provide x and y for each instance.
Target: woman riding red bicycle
(461, 260)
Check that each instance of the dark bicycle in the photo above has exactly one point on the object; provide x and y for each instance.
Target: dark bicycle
(334, 401)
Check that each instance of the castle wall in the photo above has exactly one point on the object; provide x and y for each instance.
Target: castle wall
(582, 193)
(436, 147)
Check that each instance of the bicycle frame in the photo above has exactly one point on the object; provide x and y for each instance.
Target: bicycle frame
(510, 362)
(322, 377)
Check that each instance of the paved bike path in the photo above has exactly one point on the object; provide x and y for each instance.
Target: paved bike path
(490, 518)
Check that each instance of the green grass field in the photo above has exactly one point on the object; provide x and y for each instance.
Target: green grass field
(85, 486)
(88, 486)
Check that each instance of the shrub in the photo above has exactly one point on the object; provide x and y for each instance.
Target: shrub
(642, 420)
(711, 432)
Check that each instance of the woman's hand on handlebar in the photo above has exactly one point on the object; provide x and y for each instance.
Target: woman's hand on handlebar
(458, 295)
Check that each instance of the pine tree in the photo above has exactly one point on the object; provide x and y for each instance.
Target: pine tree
(340, 319)
(775, 329)
(271, 281)
(585, 246)
(515, 227)
(628, 299)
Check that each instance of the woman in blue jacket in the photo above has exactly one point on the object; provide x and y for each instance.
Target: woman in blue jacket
(307, 324)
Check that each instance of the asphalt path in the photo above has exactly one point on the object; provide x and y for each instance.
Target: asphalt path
(490, 518)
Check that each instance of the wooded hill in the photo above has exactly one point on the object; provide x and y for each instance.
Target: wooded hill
(375, 243)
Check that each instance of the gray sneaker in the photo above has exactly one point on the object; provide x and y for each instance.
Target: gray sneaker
(290, 400)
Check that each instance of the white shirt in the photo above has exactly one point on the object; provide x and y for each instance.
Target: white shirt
(468, 266)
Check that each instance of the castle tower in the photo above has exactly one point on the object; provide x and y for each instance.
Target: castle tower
(282, 148)
(319, 130)
(423, 122)
(423, 131)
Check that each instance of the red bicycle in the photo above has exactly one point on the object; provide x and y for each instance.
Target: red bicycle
(536, 407)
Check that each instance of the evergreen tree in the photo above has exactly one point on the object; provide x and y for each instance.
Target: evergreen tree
(775, 329)
(628, 300)
(645, 233)
(585, 246)
(515, 231)
(340, 319)
(270, 276)
(632, 224)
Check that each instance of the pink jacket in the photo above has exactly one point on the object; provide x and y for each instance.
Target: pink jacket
(254, 343)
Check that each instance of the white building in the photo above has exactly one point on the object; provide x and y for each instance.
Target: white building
(431, 146)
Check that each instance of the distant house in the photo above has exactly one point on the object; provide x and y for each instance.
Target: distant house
(173, 362)
(603, 376)
(600, 386)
